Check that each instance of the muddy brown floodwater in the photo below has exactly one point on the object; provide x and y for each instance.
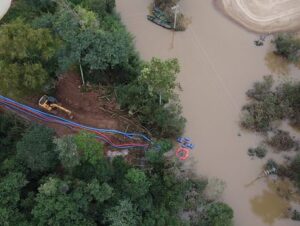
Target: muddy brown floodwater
(219, 62)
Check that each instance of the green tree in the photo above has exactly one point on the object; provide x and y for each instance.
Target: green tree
(55, 205)
(160, 77)
(67, 152)
(136, 183)
(219, 214)
(124, 214)
(10, 193)
(90, 148)
(11, 129)
(100, 6)
(100, 192)
(25, 55)
(288, 47)
(88, 44)
(36, 149)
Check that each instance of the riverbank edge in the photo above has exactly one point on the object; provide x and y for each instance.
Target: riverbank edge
(250, 26)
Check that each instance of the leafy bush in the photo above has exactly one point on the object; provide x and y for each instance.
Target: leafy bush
(217, 214)
(262, 89)
(99, 6)
(281, 141)
(288, 47)
(295, 169)
(258, 116)
(296, 215)
(259, 152)
(289, 94)
(267, 105)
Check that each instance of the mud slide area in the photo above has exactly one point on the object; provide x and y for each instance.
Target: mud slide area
(4, 6)
(264, 16)
(219, 63)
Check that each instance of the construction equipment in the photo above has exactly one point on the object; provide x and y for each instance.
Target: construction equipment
(50, 104)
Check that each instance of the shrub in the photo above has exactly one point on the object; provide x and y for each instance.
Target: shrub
(264, 108)
(259, 152)
(288, 47)
(258, 116)
(219, 214)
(295, 169)
(262, 89)
(289, 94)
(281, 141)
(296, 215)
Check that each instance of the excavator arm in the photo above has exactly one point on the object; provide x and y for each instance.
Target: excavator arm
(50, 103)
(61, 108)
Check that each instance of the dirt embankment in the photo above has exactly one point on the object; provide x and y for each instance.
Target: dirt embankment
(263, 16)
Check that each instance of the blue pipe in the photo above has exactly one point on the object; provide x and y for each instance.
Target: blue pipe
(68, 123)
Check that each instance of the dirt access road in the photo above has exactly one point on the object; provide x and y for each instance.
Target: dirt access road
(219, 62)
(264, 15)
(4, 6)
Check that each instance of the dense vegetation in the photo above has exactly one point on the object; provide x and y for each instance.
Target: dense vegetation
(47, 180)
(50, 180)
(51, 37)
(268, 106)
(288, 47)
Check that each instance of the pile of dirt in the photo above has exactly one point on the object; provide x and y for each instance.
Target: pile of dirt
(263, 16)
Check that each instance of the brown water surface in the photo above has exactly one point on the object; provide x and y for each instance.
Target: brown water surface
(219, 62)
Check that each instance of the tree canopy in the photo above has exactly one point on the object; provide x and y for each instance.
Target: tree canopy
(25, 55)
(36, 149)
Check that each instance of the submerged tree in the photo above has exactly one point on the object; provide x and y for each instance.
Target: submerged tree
(288, 47)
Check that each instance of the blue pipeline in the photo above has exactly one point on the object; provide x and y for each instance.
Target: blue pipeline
(68, 123)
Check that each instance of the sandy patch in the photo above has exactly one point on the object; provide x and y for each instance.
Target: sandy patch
(4, 6)
(264, 16)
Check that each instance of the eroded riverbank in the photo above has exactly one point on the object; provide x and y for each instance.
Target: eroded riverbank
(219, 63)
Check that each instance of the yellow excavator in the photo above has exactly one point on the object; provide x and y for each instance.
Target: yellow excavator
(50, 104)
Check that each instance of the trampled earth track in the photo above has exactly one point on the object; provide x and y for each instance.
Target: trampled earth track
(264, 16)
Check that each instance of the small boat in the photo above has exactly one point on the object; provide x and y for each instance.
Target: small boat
(159, 22)
(160, 15)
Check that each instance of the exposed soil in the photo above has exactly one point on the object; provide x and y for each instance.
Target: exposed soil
(92, 107)
(264, 16)
(85, 106)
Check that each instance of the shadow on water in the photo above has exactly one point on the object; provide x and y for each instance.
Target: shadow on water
(275, 201)
(277, 64)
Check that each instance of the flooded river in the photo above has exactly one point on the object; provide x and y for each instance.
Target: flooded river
(219, 62)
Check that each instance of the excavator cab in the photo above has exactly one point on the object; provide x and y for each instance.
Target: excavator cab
(50, 103)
